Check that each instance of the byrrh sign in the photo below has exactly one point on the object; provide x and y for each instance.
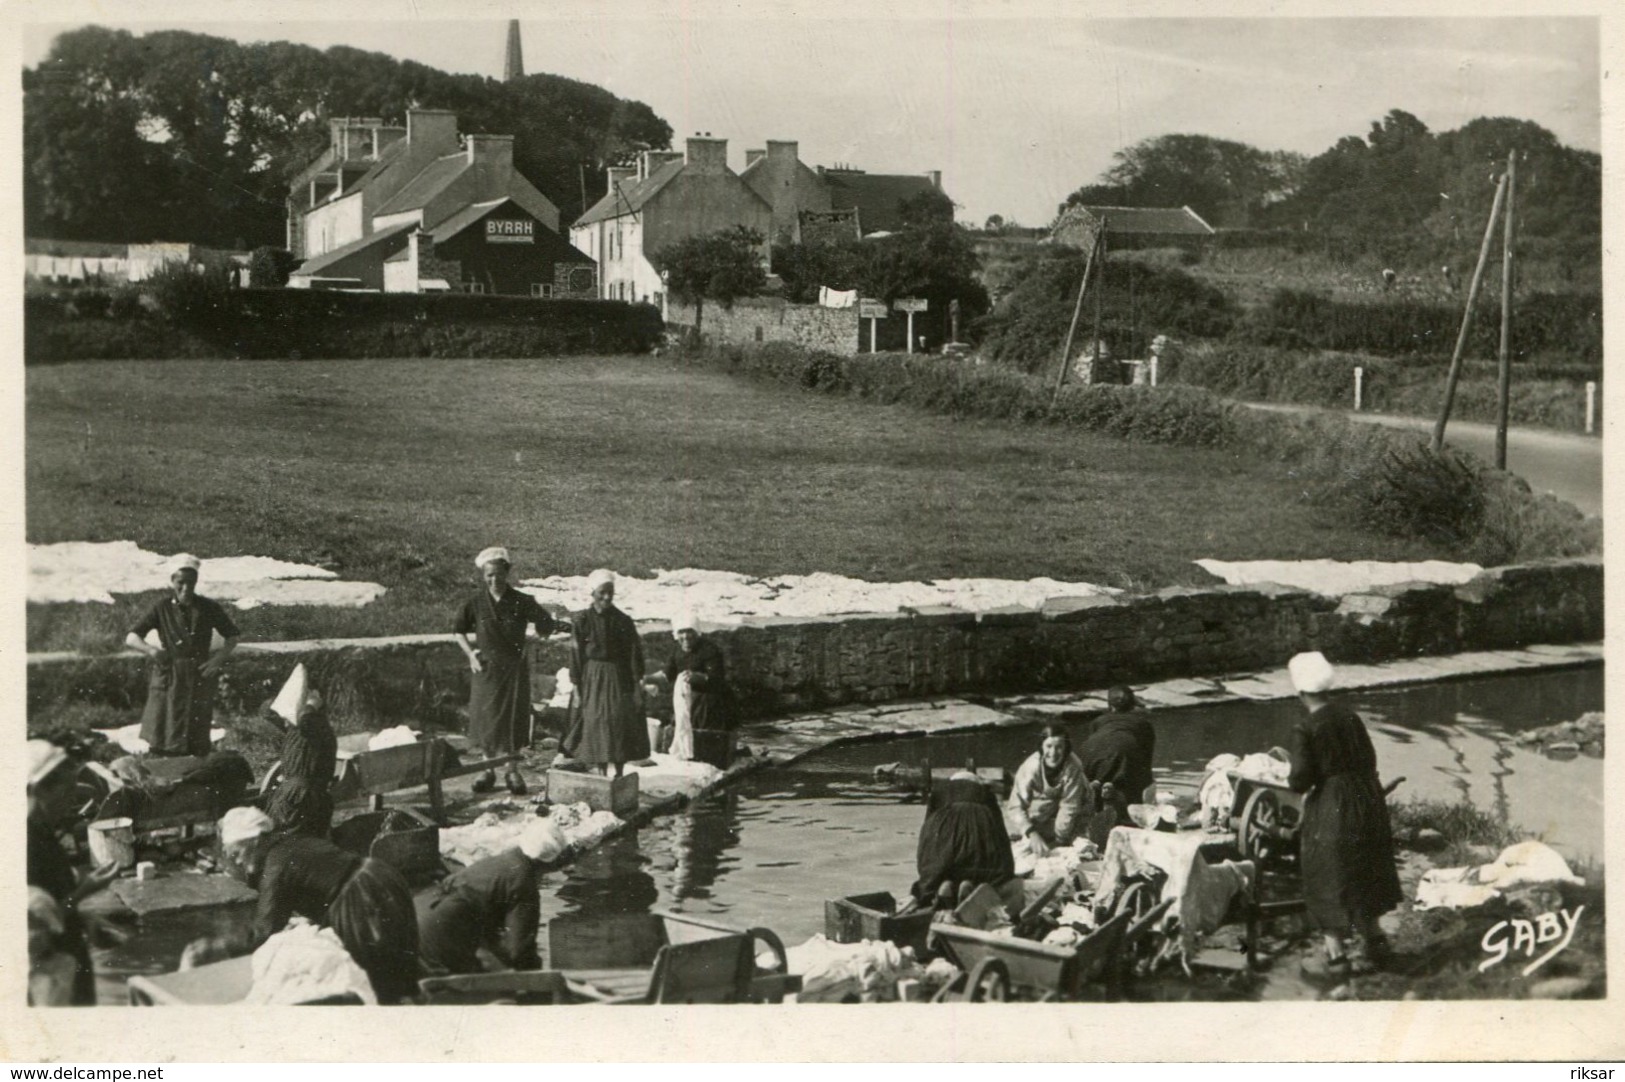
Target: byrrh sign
(510, 231)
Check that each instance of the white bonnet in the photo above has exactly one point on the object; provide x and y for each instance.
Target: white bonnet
(1311, 673)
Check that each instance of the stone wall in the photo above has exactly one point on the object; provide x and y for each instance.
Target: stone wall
(763, 319)
(779, 664)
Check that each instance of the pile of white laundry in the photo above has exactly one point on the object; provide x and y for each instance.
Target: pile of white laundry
(1523, 864)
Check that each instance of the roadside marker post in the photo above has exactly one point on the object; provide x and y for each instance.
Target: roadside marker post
(1359, 381)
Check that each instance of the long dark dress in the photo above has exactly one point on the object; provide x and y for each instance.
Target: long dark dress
(180, 699)
(963, 838)
(605, 668)
(499, 694)
(712, 706)
(492, 903)
(1346, 846)
(50, 870)
(303, 802)
(364, 900)
(1119, 750)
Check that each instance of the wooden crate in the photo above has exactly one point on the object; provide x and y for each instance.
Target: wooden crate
(715, 746)
(617, 795)
(872, 916)
(414, 851)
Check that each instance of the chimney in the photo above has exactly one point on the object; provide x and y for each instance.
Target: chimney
(754, 156)
(651, 160)
(707, 156)
(621, 174)
(432, 130)
(783, 149)
(936, 178)
(495, 149)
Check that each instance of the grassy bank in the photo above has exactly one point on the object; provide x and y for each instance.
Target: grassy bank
(1547, 396)
(1383, 480)
(398, 471)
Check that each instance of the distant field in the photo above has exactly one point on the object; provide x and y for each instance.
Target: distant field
(399, 471)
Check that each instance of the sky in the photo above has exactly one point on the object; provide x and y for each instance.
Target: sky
(1017, 104)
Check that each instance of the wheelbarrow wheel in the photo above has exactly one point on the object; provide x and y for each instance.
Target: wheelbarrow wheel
(989, 982)
(1138, 899)
(1258, 833)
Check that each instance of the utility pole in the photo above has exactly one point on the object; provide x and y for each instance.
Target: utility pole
(1100, 290)
(1077, 310)
(1504, 392)
(1467, 318)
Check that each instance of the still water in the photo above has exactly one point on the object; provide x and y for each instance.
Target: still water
(769, 851)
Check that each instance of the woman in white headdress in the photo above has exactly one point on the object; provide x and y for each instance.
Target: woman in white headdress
(697, 674)
(606, 668)
(1345, 842)
(499, 689)
(302, 802)
(185, 665)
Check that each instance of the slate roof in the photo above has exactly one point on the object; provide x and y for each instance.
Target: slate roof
(1163, 221)
(875, 195)
(447, 228)
(425, 186)
(343, 251)
(631, 197)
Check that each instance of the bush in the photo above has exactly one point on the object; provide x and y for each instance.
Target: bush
(1416, 493)
(1563, 324)
(1140, 301)
(269, 268)
(188, 297)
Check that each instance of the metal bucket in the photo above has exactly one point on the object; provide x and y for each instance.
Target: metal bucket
(112, 841)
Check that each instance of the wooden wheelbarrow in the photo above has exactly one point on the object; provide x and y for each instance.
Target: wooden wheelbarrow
(1003, 967)
(665, 958)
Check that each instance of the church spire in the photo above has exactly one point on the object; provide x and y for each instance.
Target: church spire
(515, 66)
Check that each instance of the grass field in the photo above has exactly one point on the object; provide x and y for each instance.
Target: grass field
(399, 471)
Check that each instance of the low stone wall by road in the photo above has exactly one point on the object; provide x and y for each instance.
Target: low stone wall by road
(781, 664)
(771, 319)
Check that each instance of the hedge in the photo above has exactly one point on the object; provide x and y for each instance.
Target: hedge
(1345, 467)
(197, 319)
(1549, 395)
(1567, 325)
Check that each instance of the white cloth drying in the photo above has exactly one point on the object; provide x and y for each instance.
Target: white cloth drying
(837, 298)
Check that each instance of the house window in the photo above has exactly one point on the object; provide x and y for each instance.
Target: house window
(541, 289)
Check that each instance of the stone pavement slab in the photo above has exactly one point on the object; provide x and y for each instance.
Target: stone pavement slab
(180, 890)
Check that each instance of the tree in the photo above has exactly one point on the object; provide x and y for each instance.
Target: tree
(995, 222)
(721, 266)
(207, 132)
(1226, 182)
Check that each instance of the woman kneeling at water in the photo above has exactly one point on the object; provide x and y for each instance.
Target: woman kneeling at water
(364, 900)
(963, 844)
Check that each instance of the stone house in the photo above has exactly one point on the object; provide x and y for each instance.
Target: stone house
(666, 197)
(413, 208)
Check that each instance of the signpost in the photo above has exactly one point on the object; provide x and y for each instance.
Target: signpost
(873, 311)
(910, 305)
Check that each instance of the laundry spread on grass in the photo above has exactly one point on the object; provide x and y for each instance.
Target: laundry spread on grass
(1524, 864)
(94, 571)
(722, 597)
(1334, 578)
